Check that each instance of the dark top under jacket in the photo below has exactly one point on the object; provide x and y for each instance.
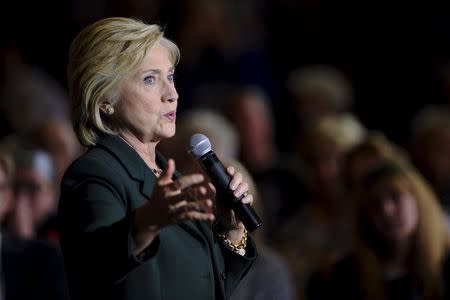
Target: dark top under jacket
(99, 194)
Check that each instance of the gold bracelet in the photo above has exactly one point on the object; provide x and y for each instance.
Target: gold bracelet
(239, 247)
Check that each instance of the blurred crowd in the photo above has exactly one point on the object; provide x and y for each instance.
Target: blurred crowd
(351, 209)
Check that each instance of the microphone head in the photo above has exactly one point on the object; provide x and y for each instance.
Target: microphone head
(199, 145)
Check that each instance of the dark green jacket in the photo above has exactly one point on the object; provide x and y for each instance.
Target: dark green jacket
(99, 194)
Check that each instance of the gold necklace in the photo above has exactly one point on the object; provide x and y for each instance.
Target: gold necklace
(156, 171)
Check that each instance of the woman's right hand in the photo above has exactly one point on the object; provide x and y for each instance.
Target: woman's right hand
(172, 203)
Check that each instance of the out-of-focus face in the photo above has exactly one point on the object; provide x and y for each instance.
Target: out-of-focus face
(60, 141)
(393, 210)
(311, 107)
(324, 159)
(148, 103)
(34, 190)
(253, 121)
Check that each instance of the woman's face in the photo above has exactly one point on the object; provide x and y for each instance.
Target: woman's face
(393, 210)
(148, 103)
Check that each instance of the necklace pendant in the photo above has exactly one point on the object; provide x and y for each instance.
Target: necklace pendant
(157, 172)
(241, 251)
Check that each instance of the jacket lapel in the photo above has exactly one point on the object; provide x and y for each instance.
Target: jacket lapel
(131, 162)
(138, 170)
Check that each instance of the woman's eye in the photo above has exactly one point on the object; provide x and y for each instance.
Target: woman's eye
(171, 77)
(149, 80)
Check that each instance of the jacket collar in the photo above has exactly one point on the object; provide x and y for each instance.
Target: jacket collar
(132, 162)
(126, 155)
(138, 170)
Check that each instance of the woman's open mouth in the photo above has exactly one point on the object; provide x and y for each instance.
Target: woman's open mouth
(171, 116)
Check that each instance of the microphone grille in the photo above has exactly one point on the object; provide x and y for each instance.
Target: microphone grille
(199, 145)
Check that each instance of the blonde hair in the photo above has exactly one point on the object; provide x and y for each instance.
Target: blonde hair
(330, 84)
(217, 127)
(100, 55)
(344, 130)
(431, 243)
(376, 146)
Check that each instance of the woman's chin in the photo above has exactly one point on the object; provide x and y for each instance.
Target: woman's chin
(166, 134)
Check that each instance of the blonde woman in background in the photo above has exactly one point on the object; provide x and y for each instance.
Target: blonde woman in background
(320, 230)
(270, 277)
(401, 248)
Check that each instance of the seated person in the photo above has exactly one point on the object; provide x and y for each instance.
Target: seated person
(401, 241)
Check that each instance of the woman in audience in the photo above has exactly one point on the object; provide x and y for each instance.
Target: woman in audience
(401, 242)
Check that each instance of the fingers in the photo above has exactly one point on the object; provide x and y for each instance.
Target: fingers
(236, 179)
(239, 187)
(166, 175)
(248, 199)
(190, 194)
(187, 181)
(212, 188)
(172, 188)
(231, 170)
(197, 210)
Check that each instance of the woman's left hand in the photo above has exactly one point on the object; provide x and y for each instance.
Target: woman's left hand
(227, 223)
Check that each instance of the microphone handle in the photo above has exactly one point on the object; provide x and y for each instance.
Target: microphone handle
(221, 179)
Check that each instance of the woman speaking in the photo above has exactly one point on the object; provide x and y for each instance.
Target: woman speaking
(131, 227)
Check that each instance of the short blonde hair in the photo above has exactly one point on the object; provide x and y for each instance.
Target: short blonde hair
(100, 55)
(216, 126)
(345, 130)
(325, 82)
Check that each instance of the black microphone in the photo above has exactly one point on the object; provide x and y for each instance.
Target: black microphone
(200, 148)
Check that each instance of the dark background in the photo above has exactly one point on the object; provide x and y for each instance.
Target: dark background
(392, 53)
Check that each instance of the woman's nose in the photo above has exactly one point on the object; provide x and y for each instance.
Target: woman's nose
(170, 93)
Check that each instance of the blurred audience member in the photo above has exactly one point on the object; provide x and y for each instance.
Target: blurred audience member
(57, 137)
(34, 210)
(401, 242)
(269, 278)
(214, 125)
(29, 95)
(317, 91)
(282, 191)
(369, 152)
(326, 144)
(251, 113)
(29, 269)
(431, 150)
(320, 230)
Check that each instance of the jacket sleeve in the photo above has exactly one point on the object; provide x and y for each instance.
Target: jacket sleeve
(96, 227)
